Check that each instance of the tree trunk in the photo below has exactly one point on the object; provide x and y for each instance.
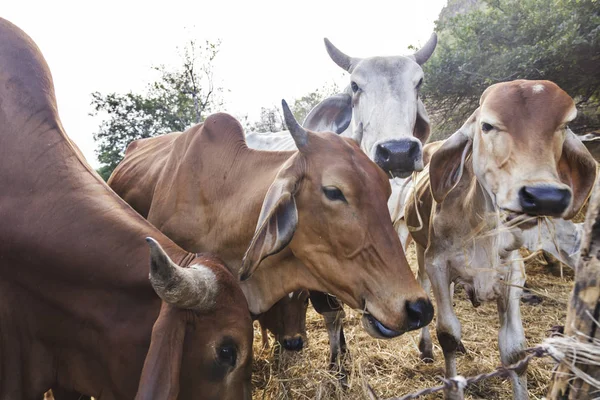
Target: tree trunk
(584, 308)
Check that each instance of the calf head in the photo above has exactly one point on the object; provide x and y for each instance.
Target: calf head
(328, 203)
(287, 320)
(523, 153)
(385, 99)
(201, 345)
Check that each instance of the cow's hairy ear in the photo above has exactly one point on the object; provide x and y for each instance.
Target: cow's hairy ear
(576, 168)
(422, 128)
(160, 375)
(447, 163)
(278, 218)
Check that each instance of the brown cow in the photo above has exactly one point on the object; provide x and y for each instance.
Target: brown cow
(283, 221)
(77, 311)
(513, 160)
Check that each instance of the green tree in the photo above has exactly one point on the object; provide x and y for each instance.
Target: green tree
(271, 119)
(485, 42)
(176, 101)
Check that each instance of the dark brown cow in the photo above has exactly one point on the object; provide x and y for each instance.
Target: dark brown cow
(77, 311)
(283, 221)
(286, 320)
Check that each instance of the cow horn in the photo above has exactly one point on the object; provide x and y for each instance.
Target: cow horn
(358, 134)
(426, 51)
(189, 288)
(342, 60)
(298, 133)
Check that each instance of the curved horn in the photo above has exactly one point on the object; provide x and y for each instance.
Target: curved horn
(426, 51)
(343, 61)
(358, 134)
(190, 288)
(298, 133)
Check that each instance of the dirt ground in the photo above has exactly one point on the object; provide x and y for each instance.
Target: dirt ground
(393, 368)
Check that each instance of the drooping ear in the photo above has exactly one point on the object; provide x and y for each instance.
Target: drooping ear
(160, 374)
(278, 218)
(422, 128)
(576, 168)
(447, 163)
(331, 115)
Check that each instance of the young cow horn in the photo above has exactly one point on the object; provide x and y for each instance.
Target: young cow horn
(298, 133)
(189, 288)
(342, 60)
(426, 51)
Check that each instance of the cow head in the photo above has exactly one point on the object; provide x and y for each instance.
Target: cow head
(523, 153)
(384, 97)
(287, 320)
(329, 204)
(201, 345)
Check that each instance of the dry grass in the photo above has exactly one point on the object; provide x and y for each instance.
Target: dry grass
(393, 368)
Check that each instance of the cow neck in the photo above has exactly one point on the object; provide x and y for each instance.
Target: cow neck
(275, 278)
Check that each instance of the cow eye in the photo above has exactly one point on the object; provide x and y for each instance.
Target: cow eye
(354, 86)
(227, 354)
(419, 84)
(333, 194)
(486, 127)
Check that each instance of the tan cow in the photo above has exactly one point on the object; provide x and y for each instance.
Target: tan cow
(286, 320)
(513, 160)
(283, 221)
(77, 311)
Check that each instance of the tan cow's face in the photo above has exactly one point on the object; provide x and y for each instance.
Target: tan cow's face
(287, 320)
(329, 204)
(201, 345)
(523, 153)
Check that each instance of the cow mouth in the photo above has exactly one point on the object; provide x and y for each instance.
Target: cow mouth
(376, 328)
(520, 219)
(400, 174)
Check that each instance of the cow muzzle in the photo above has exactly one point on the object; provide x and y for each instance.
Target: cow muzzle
(419, 313)
(293, 344)
(544, 200)
(399, 158)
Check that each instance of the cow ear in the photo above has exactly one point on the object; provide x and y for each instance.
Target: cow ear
(576, 168)
(447, 163)
(422, 128)
(277, 221)
(331, 115)
(160, 374)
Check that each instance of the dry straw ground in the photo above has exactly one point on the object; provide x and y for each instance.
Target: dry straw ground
(393, 367)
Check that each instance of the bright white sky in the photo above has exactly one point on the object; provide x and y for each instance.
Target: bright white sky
(270, 49)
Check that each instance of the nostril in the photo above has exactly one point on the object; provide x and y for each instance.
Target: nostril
(526, 198)
(420, 313)
(295, 344)
(413, 150)
(384, 153)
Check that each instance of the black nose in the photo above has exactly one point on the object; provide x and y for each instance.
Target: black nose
(420, 313)
(293, 344)
(544, 200)
(398, 157)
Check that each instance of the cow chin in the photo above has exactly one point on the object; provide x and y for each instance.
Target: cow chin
(376, 329)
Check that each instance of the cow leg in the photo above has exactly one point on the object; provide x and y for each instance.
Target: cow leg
(425, 345)
(448, 326)
(333, 314)
(511, 337)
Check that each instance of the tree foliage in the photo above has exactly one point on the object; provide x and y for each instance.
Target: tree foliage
(177, 100)
(485, 42)
(271, 118)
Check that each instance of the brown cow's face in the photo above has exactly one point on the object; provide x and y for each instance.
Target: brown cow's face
(287, 320)
(217, 350)
(346, 238)
(201, 345)
(525, 155)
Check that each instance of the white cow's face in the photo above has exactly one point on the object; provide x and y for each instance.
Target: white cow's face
(385, 100)
(385, 93)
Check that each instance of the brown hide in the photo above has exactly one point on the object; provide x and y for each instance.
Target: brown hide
(215, 194)
(77, 309)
